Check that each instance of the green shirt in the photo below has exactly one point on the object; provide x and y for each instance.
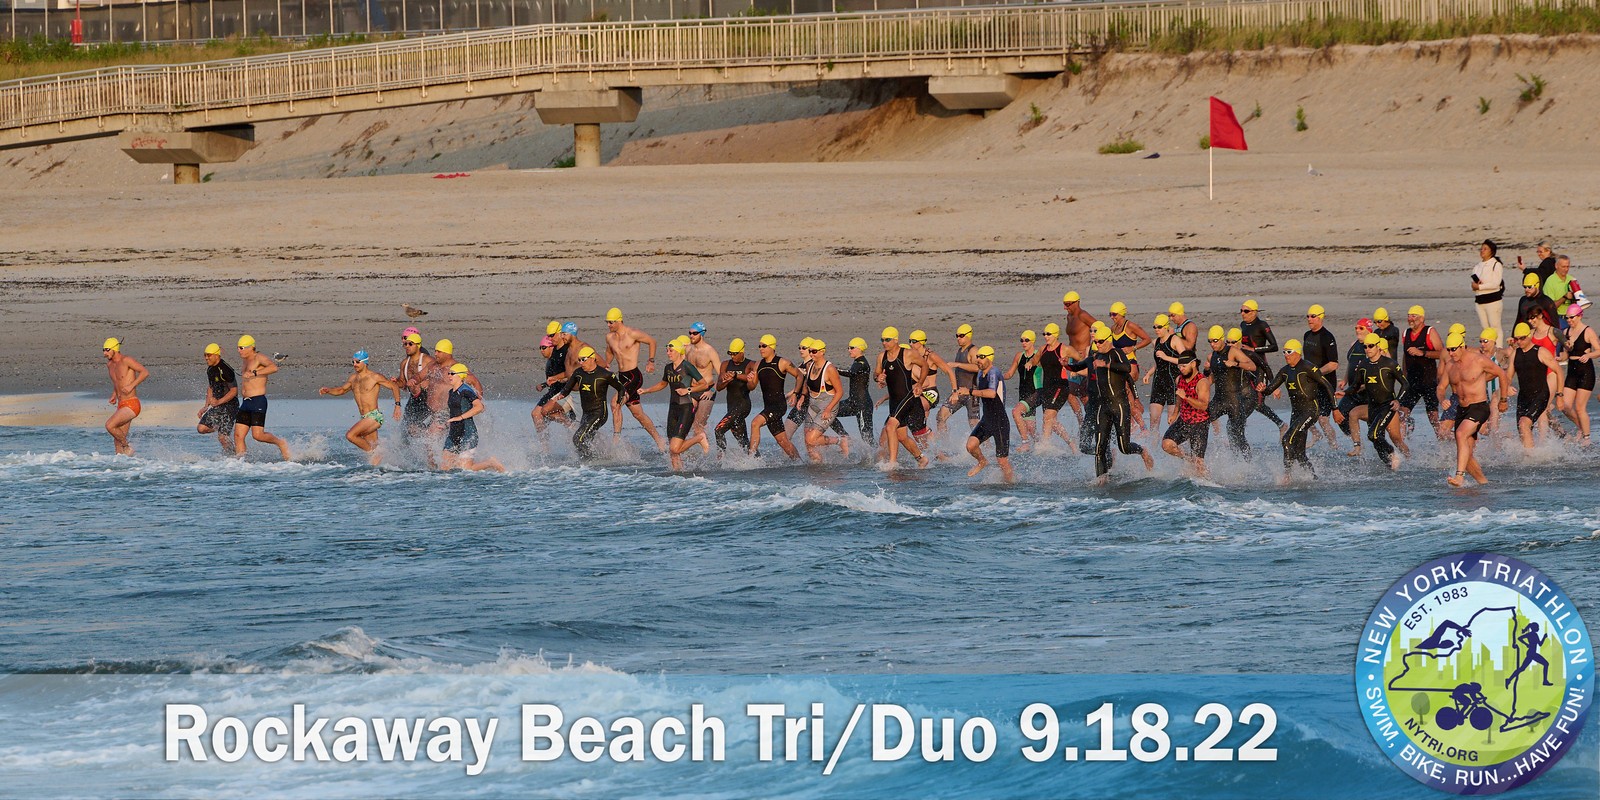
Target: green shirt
(1556, 288)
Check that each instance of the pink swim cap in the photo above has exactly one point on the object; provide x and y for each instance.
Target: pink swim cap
(409, 331)
(547, 342)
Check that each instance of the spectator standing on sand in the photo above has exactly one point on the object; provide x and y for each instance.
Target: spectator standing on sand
(1489, 287)
(1547, 264)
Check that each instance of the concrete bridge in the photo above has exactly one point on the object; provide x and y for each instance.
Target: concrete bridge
(589, 74)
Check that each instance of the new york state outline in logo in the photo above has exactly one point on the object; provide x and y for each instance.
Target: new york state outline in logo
(1475, 673)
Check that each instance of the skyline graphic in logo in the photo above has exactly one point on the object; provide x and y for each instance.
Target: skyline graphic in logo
(1475, 673)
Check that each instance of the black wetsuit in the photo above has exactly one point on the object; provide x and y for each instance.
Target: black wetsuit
(1354, 393)
(463, 434)
(680, 407)
(1109, 382)
(1028, 387)
(774, 399)
(591, 385)
(1382, 384)
(1321, 349)
(1533, 393)
(993, 423)
(905, 403)
(554, 366)
(738, 404)
(1259, 335)
(1308, 390)
(417, 415)
(1164, 382)
(1234, 394)
(858, 403)
(1390, 334)
(1422, 375)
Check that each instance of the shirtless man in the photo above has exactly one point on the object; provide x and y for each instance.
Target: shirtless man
(1183, 326)
(253, 371)
(622, 347)
(444, 355)
(1467, 373)
(126, 375)
(1076, 336)
(704, 357)
(366, 383)
(413, 375)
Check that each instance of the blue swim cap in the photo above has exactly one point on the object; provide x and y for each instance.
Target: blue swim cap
(360, 355)
(698, 327)
(570, 328)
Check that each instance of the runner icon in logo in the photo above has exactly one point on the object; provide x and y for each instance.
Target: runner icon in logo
(1475, 673)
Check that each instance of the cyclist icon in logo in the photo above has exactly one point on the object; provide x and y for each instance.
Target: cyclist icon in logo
(1472, 706)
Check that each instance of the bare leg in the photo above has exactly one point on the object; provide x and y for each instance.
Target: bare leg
(756, 427)
(975, 449)
(1006, 471)
(260, 434)
(117, 426)
(649, 427)
(363, 434)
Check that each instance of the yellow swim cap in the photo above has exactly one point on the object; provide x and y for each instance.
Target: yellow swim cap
(858, 343)
(1372, 340)
(112, 344)
(1384, 345)
(1293, 346)
(1530, 280)
(1175, 309)
(414, 338)
(1381, 315)
(1235, 335)
(1102, 334)
(986, 352)
(459, 369)
(918, 337)
(1459, 328)
(1052, 329)
(1415, 311)
(1491, 334)
(1028, 336)
(1069, 297)
(964, 330)
(553, 328)
(1251, 305)
(1455, 340)
(806, 343)
(890, 332)
(1119, 308)
(1521, 330)
(818, 345)
(679, 344)
(445, 346)
(213, 349)
(1162, 321)
(586, 352)
(736, 346)
(1316, 311)
(1215, 332)
(614, 315)
(769, 340)
(247, 341)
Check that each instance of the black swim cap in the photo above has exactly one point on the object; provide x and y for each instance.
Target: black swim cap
(1187, 357)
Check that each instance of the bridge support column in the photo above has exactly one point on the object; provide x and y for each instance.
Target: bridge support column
(586, 144)
(186, 150)
(585, 110)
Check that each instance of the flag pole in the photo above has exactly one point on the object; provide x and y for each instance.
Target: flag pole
(1211, 173)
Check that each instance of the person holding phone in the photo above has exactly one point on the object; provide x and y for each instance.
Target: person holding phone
(1489, 287)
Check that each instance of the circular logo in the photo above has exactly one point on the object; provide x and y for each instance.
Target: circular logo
(1474, 673)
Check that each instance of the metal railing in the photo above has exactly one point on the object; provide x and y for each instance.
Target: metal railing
(822, 40)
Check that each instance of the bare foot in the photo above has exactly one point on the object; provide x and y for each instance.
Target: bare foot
(1354, 451)
(844, 446)
(1394, 463)
(1455, 480)
(1100, 480)
(1149, 463)
(922, 462)
(973, 473)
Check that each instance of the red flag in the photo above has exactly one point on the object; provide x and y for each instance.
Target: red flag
(1226, 132)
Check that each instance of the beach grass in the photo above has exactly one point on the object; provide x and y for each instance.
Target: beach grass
(1319, 33)
(26, 58)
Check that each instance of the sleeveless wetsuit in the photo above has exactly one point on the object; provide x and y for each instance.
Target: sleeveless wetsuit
(1193, 424)
(1422, 374)
(994, 423)
(965, 380)
(1164, 383)
(905, 404)
(738, 405)
(1533, 394)
(1053, 392)
(774, 400)
(1580, 374)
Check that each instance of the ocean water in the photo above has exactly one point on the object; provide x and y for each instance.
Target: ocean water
(623, 581)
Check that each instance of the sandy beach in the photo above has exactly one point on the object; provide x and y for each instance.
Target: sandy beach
(922, 220)
(318, 269)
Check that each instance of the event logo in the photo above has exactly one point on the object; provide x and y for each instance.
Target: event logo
(1474, 673)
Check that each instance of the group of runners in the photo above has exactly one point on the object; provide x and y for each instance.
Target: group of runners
(1094, 368)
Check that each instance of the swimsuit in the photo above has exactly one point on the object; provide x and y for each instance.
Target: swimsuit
(1580, 374)
(132, 404)
(1533, 395)
(632, 382)
(252, 412)
(374, 414)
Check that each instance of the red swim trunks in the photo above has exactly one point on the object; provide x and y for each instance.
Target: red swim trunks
(132, 404)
